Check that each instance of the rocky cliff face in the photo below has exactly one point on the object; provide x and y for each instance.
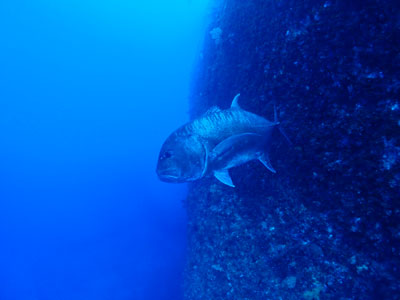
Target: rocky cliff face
(327, 225)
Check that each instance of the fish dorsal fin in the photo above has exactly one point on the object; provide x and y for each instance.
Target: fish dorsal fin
(224, 177)
(235, 103)
(212, 110)
(264, 158)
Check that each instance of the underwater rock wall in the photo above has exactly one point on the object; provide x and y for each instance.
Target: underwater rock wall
(327, 224)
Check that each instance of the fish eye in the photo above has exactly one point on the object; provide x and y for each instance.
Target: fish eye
(167, 154)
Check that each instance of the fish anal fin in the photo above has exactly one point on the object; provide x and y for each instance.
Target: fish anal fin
(235, 103)
(264, 159)
(224, 177)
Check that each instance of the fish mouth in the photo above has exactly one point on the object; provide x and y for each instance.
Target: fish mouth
(168, 175)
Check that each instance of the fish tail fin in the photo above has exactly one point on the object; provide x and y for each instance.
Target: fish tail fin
(279, 126)
(282, 131)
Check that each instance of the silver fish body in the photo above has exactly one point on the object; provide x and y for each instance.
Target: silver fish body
(214, 143)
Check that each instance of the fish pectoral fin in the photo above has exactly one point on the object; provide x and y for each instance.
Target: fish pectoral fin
(229, 144)
(206, 157)
(224, 177)
(264, 158)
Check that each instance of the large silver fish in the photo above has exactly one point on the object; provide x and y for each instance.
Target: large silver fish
(214, 143)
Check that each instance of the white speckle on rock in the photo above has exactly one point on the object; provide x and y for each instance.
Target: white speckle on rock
(217, 267)
(290, 282)
(216, 34)
(353, 260)
(391, 154)
(362, 268)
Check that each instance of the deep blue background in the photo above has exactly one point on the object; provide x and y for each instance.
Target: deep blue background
(88, 92)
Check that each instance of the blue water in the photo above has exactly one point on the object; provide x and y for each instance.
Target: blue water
(88, 92)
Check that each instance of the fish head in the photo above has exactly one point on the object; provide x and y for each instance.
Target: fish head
(181, 159)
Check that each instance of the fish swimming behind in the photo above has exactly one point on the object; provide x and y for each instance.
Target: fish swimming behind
(214, 143)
